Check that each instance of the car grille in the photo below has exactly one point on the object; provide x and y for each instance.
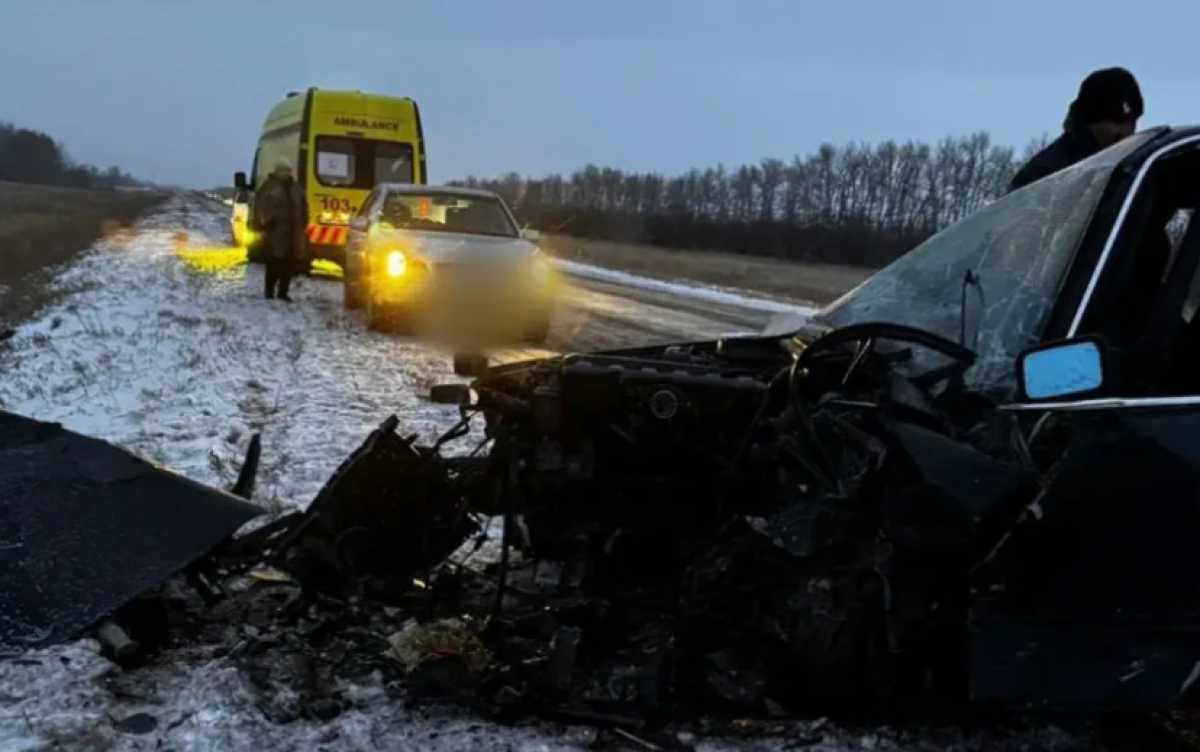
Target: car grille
(459, 276)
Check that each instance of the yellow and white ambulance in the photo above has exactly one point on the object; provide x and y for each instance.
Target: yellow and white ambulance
(340, 145)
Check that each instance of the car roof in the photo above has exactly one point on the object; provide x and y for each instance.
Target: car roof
(1162, 136)
(427, 189)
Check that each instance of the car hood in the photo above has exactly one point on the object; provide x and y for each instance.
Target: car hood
(457, 248)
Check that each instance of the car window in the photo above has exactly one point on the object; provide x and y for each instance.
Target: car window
(448, 212)
(392, 163)
(365, 209)
(1019, 248)
(335, 161)
(347, 162)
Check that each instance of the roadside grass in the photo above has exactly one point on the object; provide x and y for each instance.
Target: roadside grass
(818, 283)
(42, 227)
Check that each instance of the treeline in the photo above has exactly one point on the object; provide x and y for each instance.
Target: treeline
(28, 156)
(856, 204)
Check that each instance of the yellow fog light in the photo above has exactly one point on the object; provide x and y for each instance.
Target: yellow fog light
(396, 264)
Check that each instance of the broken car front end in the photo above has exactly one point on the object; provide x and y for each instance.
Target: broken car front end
(801, 511)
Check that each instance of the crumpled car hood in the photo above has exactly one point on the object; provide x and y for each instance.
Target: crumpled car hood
(86, 526)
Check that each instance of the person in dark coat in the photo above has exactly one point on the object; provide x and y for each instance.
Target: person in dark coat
(1105, 111)
(282, 215)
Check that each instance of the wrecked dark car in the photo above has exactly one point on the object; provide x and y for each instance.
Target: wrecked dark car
(973, 476)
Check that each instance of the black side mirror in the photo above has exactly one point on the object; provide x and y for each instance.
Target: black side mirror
(470, 364)
(450, 394)
(239, 181)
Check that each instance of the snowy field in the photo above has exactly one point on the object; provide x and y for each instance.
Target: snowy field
(164, 348)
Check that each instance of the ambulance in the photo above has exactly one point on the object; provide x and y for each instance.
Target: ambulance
(340, 145)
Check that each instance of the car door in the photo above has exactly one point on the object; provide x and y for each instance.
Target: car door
(1096, 598)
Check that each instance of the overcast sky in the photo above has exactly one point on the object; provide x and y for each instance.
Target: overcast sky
(176, 91)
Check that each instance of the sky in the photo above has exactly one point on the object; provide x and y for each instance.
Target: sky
(175, 92)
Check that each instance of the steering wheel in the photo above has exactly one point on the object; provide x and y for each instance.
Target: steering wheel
(897, 332)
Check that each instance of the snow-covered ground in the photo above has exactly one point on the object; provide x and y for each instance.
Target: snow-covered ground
(165, 347)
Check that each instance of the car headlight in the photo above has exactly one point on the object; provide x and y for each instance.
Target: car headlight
(396, 264)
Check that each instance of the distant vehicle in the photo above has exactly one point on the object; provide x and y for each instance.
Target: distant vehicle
(427, 254)
(340, 145)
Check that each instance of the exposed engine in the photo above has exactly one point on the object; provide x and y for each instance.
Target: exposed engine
(811, 503)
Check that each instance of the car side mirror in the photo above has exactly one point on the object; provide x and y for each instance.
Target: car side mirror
(1073, 368)
(470, 364)
(531, 235)
(360, 223)
(239, 181)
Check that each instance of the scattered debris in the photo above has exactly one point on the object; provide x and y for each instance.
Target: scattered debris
(417, 643)
(116, 641)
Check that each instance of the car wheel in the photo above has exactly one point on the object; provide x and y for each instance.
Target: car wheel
(377, 318)
(538, 330)
(388, 318)
(352, 297)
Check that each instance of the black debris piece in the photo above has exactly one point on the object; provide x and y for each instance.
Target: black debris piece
(86, 526)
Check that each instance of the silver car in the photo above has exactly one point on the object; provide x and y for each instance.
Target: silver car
(420, 258)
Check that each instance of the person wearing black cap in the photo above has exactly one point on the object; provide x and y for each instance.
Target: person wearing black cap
(1105, 111)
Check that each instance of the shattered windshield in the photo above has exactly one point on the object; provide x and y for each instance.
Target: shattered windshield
(1018, 248)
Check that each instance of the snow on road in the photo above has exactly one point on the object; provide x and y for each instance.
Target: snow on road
(181, 359)
(162, 346)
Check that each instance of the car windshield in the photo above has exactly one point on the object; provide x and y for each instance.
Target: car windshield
(448, 212)
(1018, 248)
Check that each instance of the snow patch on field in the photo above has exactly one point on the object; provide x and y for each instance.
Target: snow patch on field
(691, 290)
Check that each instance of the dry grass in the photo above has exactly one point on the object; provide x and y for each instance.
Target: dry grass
(42, 226)
(818, 283)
